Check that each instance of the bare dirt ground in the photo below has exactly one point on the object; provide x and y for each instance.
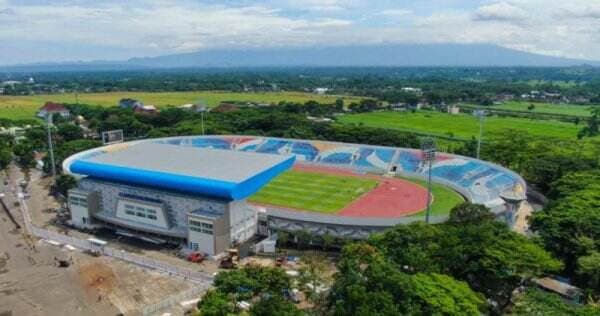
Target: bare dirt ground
(31, 283)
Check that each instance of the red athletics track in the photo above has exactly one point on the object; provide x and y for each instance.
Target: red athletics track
(391, 198)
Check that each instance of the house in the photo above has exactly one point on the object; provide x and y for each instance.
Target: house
(51, 108)
(566, 291)
(225, 107)
(146, 109)
(401, 107)
(453, 109)
(416, 91)
(198, 107)
(321, 90)
(128, 103)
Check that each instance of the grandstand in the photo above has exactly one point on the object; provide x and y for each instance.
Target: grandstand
(189, 180)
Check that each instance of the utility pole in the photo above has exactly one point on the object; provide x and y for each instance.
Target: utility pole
(479, 114)
(429, 151)
(202, 119)
(50, 148)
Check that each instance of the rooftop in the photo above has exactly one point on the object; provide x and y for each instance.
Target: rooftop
(214, 172)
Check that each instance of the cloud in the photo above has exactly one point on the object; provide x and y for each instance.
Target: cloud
(139, 28)
(500, 11)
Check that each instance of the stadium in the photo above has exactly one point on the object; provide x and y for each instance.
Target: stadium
(213, 192)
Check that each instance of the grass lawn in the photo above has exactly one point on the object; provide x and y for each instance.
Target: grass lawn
(24, 107)
(444, 198)
(549, 108)
(313, 191)
(460, 126)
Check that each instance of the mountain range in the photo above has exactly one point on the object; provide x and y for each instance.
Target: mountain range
(384, 55)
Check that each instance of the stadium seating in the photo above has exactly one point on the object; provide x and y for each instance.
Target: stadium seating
(484, 182)
(375, 159)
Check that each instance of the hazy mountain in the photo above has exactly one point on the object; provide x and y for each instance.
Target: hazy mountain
(360, 55)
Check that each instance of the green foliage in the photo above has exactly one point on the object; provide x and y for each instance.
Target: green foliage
(69, 132)
(588, 270)
(369, 284)
(24, 153)
(487, 255)
(538, 303)
(275, 305)
(64, 150)
(468, 213)
(441, 294)
(570, 226)
(216, 303)
(64, 183)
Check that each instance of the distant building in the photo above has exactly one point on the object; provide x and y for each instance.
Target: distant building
(400, 107)
(321, 90)
(18, 133)
(225, 107)
(197, 107)
(51, 108)
(453, 109)
(146, 109)
(128, 103)
(10, 83)
(416, 91)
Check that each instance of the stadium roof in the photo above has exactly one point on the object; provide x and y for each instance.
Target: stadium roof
(217, 173)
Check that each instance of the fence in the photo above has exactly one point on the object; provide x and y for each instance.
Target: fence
(189, 294)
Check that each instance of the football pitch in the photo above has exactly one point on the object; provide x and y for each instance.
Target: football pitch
(313, 191)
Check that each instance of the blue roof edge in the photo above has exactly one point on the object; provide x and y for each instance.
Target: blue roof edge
(256, 182)
(182, 183)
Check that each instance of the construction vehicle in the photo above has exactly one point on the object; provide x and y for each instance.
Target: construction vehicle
(227, 263)
(195, 257)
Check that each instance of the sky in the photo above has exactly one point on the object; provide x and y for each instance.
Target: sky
(73, 30)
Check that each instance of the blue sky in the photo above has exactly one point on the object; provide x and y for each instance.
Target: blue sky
(68, 30)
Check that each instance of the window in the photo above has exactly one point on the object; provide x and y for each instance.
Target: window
(129, 212)
(78, 201)
(152, 217)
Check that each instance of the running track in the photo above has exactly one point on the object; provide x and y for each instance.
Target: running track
(391, 198)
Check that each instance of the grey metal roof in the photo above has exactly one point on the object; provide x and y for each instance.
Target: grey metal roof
(217, 164)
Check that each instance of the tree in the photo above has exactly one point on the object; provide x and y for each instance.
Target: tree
(440, 294)
(216, 303)
(588, 270)
(69, 132)
(536, 302)
(5, 157)
(274, 305)
(339, 105)
(468, 213)
(64, 183)
(24, 153)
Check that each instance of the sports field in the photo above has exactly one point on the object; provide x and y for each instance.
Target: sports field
(313, 191)
(546, 108)
(444, 198)
(24, 107)
(461, 126)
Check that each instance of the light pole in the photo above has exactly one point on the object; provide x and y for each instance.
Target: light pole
(50, 147)
(479, 114)
(429, 151)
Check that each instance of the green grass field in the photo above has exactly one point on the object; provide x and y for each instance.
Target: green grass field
(25, 107)
(462, 125)
(546, 108)
(313, 191)
(444, 198)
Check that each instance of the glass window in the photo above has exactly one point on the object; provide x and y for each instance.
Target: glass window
(129, 212)
(152, 217)
(140, 214)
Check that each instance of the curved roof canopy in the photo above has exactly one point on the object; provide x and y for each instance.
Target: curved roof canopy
(225, 174)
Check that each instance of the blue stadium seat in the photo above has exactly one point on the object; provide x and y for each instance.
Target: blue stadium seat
(215, 143)
(272, 146)
(307, 150)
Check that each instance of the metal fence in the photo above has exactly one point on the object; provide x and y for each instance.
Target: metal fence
(189, 294)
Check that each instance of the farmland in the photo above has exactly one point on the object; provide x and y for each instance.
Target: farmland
(462, 126)
(545, 108)
(24, 107)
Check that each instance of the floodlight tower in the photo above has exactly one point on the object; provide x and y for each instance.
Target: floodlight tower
(50, 147)
(429, 151)
(481, 115)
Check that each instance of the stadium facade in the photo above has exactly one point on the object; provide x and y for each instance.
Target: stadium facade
(193, 189)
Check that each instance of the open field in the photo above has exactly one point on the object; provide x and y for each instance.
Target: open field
(313, 191)
(462, 125)
(24, 107)
(546, 108)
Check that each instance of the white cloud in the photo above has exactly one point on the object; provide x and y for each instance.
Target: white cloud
(500, 11)
(146, 28)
